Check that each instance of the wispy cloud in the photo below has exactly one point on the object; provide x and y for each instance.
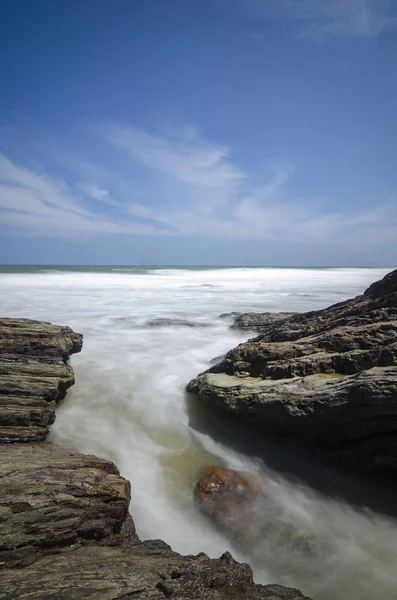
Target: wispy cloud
(188, 186)
(98, 193)
(320, 19)
(185, 160)
(37, 203)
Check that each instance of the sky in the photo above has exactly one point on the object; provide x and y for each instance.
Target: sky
(203, 132)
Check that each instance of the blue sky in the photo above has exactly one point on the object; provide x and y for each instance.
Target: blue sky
(198, 132)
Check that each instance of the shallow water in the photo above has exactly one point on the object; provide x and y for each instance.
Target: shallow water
(140, 349)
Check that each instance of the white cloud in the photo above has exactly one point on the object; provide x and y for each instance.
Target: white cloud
(94, 191)
(321, 19)
(35, 188)
(38, 203)
(188, 186)
(185, 161)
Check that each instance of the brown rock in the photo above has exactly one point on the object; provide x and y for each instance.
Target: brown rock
(226, 495)
(246, 506)
(51, 498)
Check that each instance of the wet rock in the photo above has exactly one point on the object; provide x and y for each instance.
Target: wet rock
(327, 379)
(226, 495)
(228, 498)
(246, 506)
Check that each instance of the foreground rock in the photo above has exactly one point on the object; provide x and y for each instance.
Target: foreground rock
(326, 378)
(51, 499)
(34, 376)
(64, 524)
(148, 571)
(65, 530)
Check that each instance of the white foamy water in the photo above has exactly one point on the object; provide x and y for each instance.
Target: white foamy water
(129, 405)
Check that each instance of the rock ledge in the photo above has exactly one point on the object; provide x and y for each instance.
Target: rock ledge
(326, 379)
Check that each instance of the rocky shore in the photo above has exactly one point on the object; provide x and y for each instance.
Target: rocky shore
(325, 379)
(65, 529)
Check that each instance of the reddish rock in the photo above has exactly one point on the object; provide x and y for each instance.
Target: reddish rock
(228, 496)
(248, 508)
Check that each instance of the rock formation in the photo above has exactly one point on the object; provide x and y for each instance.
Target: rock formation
(256, 321)
(327, 379)
(34, 376)
(65, 530)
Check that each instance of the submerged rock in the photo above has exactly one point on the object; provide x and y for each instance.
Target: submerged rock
(225, 495)
(247, 507)
(326, 378)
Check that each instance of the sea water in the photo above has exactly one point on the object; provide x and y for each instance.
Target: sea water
(147, 332)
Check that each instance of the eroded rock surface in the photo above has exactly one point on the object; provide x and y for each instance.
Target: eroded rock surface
(328, 378)
(51, 498)
(34, 376)
(147, 571)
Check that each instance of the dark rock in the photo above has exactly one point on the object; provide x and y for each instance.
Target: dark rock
(326, 378)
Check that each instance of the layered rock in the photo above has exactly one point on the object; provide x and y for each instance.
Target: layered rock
(34, 376)
(51, 498)
(65, 533)
(327, 378)
(65, 530)
(147, 571)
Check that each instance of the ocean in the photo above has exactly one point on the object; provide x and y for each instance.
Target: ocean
(147, 332)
